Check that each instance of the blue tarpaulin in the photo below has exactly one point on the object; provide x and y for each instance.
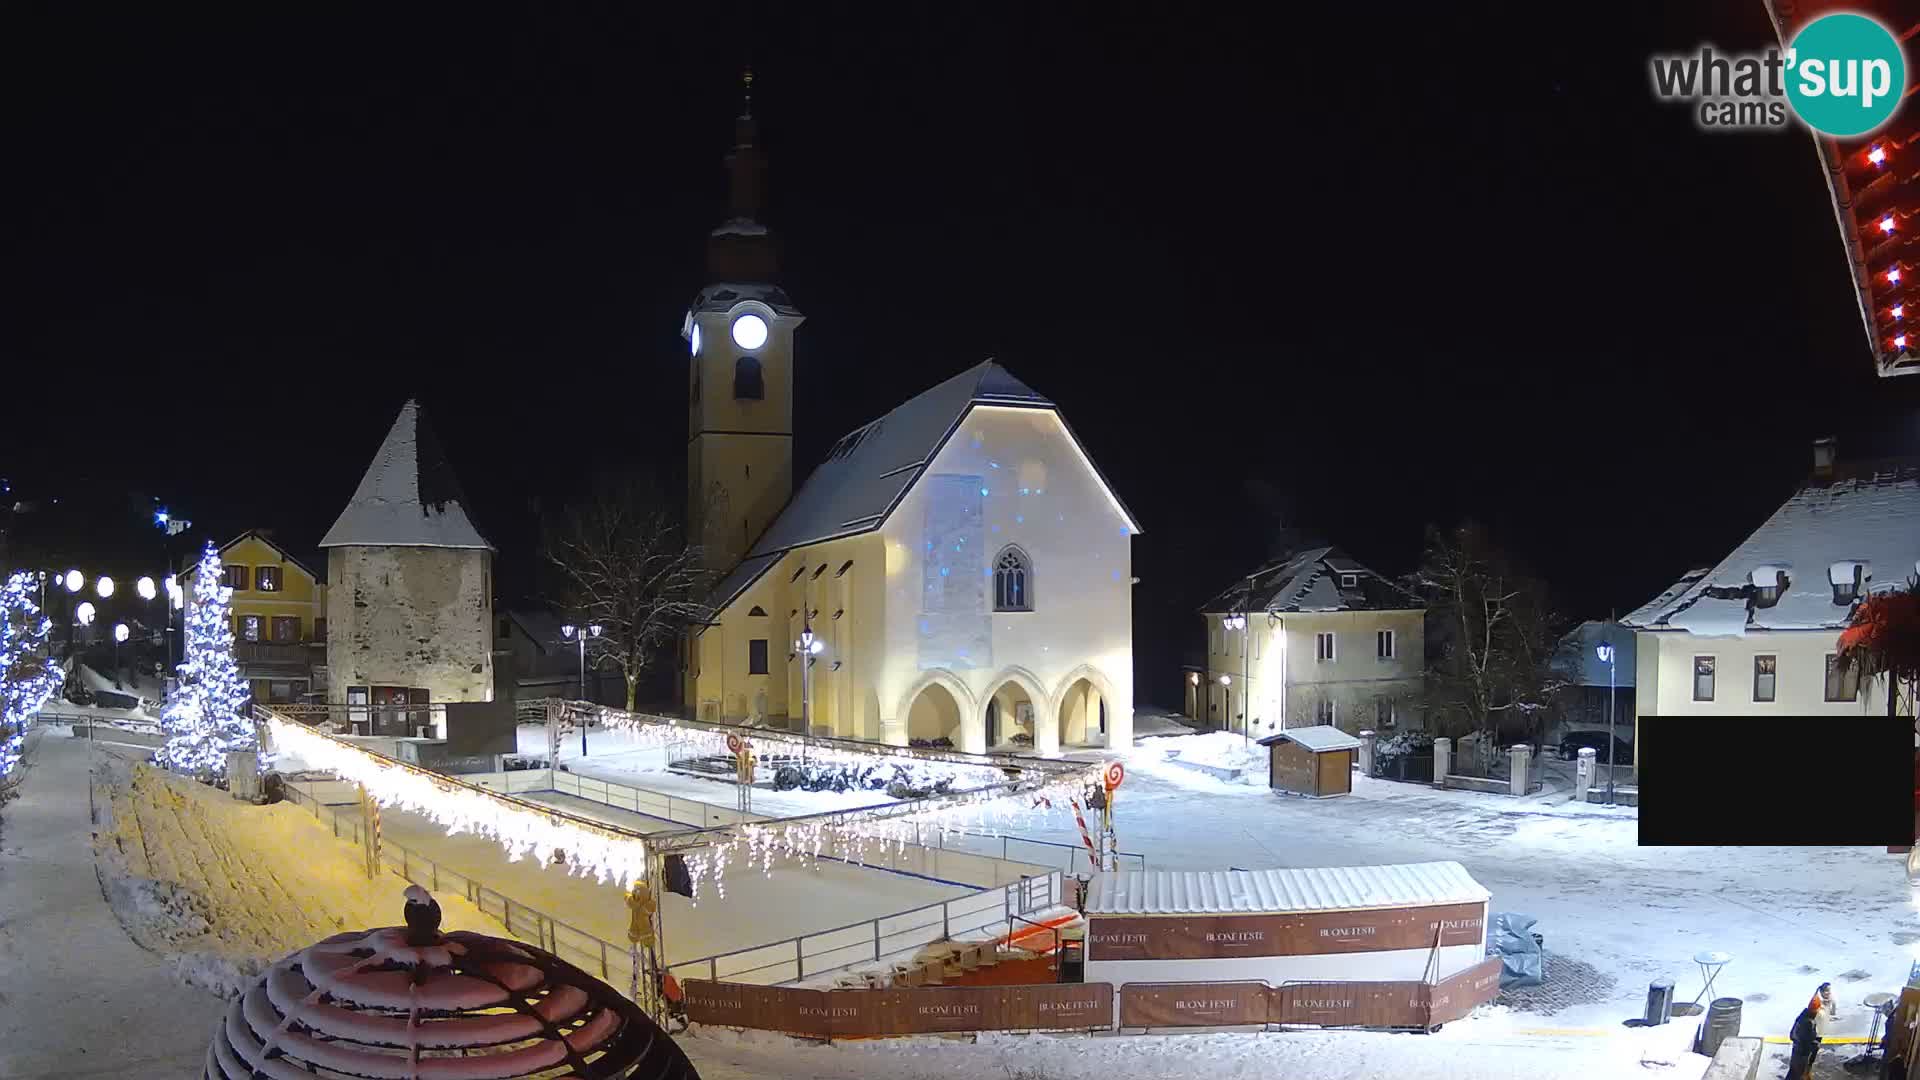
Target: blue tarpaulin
(1510, 937)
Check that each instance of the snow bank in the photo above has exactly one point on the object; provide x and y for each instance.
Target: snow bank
(1170, 759)
(223, 887)
(1463, 1048)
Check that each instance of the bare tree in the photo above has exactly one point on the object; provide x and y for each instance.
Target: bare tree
(1493, 638)
(624, 564)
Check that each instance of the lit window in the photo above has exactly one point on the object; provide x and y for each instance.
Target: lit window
(266, 578)
(1012, 581)
(1703, 678)
(1764, 672)
(249, 628)
(1323, 647)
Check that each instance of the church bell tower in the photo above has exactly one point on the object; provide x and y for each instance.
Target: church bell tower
(739, 333)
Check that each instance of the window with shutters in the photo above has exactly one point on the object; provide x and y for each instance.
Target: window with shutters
(286, 629)
(235, 577)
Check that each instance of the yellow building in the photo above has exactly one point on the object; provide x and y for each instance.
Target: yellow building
(1313, 639)
(956, 572)
(279, 617)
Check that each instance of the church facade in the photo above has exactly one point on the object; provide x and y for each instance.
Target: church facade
(957, 572)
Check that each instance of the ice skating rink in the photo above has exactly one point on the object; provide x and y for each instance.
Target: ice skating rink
(757, 907)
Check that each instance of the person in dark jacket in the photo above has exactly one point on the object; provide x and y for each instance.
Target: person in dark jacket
(1806, 1043)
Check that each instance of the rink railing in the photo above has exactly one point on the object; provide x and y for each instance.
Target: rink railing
(990, 912)
(586, 951)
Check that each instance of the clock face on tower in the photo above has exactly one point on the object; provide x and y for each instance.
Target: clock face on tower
(749, 332)
(693, 339)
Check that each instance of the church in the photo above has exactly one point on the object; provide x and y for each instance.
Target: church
(957, 572)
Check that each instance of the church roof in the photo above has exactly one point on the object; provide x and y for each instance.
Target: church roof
(409, 497)
(868, 472)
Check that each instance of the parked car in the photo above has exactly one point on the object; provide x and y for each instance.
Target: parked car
(1577, 741)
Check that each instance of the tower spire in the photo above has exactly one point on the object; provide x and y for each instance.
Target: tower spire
(741, 248)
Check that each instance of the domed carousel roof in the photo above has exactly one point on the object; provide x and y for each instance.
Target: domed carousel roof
(411, 1003)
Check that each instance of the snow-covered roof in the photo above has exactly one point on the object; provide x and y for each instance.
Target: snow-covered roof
(409, 497)
(1318, 738)
(1581, 657)
(870, 470)
(1864, 513)
(1310, 581)
(1329, 888)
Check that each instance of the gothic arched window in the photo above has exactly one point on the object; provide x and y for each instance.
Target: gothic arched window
(1012, 580)
(747, 382)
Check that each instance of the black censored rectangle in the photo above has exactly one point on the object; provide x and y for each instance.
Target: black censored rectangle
(1816, 781)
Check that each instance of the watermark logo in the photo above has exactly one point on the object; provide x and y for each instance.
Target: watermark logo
(1842, 75)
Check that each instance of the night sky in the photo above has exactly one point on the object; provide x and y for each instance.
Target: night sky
(1400, 268)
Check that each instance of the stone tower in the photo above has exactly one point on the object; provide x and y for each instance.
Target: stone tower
(410, 581)
(740, 385)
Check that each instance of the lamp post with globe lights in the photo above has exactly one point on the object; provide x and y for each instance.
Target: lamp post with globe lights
(580, 634)
(806, 649)
(119, 635)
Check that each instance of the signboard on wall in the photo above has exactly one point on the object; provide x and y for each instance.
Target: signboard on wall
(902, 1010)
(1211, 937)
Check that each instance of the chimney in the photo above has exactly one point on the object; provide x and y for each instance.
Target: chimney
(1824, 451)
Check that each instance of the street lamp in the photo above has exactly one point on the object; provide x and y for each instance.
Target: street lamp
(119, 635)
(73, 580)
(580, 634)
(145, 588)
(1605, 653)
(84, 613)
(807, 648)
(105, 587)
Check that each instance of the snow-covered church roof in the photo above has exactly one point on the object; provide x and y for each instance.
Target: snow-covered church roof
(1312, 580)
(868, 472)
(1867, 513)
(409, 497)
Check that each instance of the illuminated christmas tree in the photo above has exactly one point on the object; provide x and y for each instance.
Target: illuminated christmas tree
(208, 715)
(28, 676)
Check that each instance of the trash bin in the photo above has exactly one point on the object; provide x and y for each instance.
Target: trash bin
(1722, 1023)
(1659, 1002)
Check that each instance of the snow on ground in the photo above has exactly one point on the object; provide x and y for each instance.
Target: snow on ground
(1463, 1049)
(131, 682)
(226, 887)
(1791, 917)
(78, 999)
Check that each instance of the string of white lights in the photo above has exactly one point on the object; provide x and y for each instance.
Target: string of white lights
(520, 829)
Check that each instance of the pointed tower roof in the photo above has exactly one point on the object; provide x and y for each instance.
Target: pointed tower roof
(743, 249)
(409, 497)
